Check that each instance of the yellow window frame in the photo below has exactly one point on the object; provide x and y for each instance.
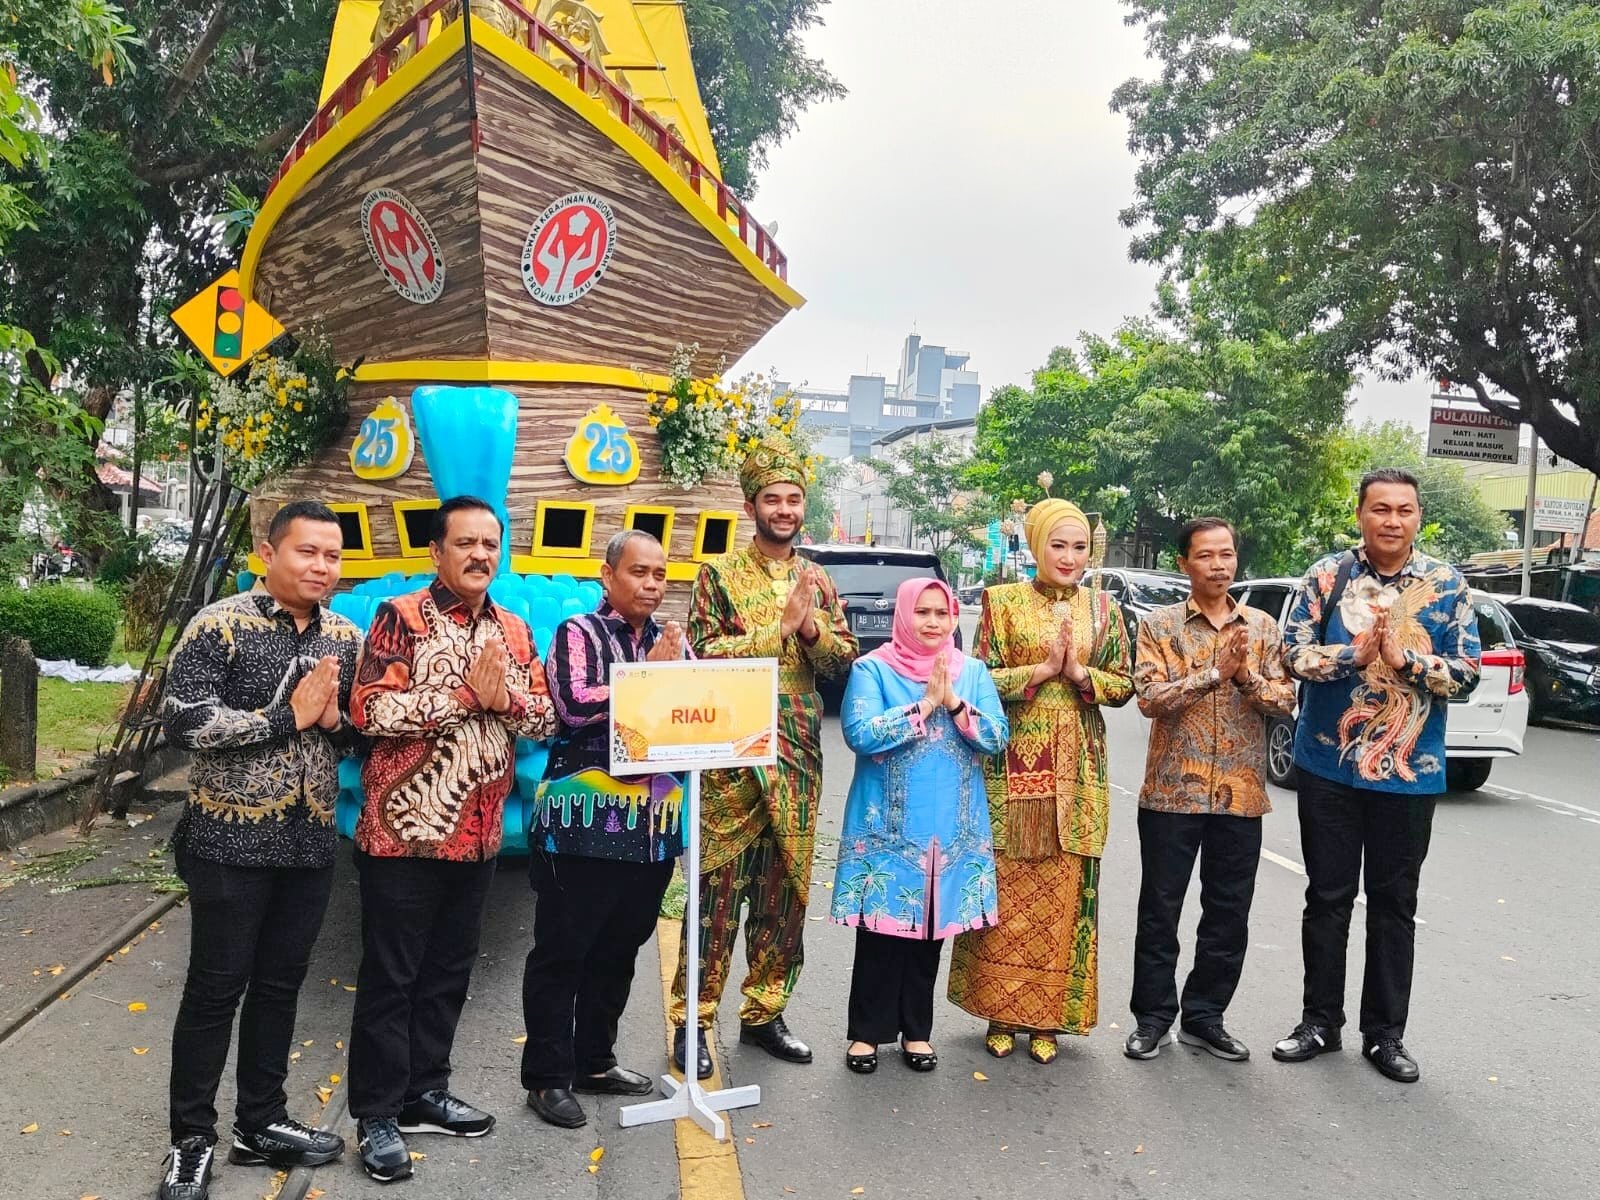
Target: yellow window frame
(706, 518)
(408, 549)
(666, 512)
(547, 506)
(360, 510)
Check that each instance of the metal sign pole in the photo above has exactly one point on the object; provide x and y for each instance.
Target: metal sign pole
(686, 1098)
(1527, 516)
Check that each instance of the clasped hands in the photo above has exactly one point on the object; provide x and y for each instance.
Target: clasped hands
(315, 699)
(1233, 655)
(799, 613)
(941, 691)
(669, 646)
(1380, 641)
(487, 677)
(1061, 662)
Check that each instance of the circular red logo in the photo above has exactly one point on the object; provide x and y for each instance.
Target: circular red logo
(568, 248)
(403, 246)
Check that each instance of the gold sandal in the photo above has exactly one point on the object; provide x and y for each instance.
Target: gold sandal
(1042, 1048)
(1000, 1042)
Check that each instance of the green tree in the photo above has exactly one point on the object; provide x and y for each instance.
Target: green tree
(1457, 521)
(755, 76)
(930, 482)
(1153, 428)
(822, 499)
(1413, 181)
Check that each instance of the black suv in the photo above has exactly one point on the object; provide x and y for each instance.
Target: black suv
(867, 578)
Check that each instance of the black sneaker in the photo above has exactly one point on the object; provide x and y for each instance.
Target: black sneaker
(440, 1112)
(284, 1145)
(188, 1174)
(384, 1155)
(1390, 1056)
(1306, 1042)
(1146, 1041)
(1214, 1039)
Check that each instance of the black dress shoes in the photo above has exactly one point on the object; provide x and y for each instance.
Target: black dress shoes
(917, 1060)
(774, 1037)
(618, 1081)
(680, 1038)
(1390, 1056)
(557, 1106)
(1306, 1042)
(1214, 1040)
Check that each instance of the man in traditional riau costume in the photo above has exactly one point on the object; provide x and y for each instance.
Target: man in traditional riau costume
(758, 825)
(1059, 653)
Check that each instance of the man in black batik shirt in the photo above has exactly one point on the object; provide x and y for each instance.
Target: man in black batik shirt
(258, 691)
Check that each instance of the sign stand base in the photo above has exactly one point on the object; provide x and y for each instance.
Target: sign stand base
(686, 1098)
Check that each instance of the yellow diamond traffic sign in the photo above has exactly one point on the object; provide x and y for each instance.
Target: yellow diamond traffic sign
(223, 327)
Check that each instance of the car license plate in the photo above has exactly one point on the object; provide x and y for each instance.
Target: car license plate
(874, 622)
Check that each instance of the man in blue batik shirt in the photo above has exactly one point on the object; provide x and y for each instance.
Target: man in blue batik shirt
(1382, 637)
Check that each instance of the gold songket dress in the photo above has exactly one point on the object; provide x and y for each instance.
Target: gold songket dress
(1037, 970)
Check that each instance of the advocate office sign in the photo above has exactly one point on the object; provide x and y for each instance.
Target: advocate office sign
(1472, 433)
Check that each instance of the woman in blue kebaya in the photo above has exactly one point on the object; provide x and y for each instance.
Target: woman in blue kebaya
(916, 861)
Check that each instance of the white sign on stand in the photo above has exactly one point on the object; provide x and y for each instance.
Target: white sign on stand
(1559, 516)
(689, 716)
(1467, 431)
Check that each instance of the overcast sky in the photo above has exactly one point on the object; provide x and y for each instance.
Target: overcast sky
(966, 189)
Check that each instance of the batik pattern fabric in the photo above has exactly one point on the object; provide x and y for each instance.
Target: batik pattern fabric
(1376, 727)
(735, 612)
(1208, 740)
(441, 766)
(1049, 810)
(916, 854)
(581, 808)
(758, 879)
(261, 792)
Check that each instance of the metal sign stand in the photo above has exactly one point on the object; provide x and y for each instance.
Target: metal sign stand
(685, 1097)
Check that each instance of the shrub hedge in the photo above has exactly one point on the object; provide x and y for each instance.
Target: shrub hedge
(62, 621)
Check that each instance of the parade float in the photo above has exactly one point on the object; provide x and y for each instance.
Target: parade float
(508, 217)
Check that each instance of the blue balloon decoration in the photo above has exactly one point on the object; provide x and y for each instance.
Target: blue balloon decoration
(468, 436)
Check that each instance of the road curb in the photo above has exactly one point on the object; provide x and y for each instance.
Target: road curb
(88, 964)
(299, 1180)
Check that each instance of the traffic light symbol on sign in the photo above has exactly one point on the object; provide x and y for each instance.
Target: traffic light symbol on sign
(228, 330)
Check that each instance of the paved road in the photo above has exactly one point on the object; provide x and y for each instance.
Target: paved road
(1506, 1001)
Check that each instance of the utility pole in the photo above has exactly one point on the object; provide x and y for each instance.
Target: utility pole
(1527, 514)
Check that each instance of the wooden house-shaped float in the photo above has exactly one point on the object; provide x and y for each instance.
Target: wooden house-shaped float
(510, 213)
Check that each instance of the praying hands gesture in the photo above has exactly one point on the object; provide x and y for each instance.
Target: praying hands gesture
(799, 614)
(940, 692)
(669, 646)
(315, 699)
(1370, 644)
(1061, 662)
(487, 677)
(1233, 656)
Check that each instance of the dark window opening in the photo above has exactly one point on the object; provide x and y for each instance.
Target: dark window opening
(350, 526)
(653, 523)
(716, 535)
(418, 525)
(564, 528)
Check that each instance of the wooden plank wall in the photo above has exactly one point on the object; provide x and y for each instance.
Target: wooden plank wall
(546, 418)
(316, 270)
(670, 281)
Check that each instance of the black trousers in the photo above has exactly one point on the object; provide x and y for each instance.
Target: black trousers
(420, 920)
(251, 934)
(1229, 849)
(590, 918)
(1338, 826)
(891, 988)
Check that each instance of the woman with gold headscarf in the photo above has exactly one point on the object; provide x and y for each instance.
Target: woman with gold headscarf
(1058, 652)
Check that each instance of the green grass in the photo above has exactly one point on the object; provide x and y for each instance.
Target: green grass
(75, 720)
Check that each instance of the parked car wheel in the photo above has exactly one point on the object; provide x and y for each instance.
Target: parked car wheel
(1280, 752)
(1467, 774)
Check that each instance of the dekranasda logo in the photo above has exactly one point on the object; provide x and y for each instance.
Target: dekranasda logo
(568, 248)
(403, 246)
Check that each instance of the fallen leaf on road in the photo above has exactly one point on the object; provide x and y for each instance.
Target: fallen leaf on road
(597, 1154)
(56, 970)
(858, 1191)
(1494, 1079)
(349, 987)
(338, 1045)
(417, 1156)
(1139, 1149)
(335, 982)
(1499, 901)
(138, 1006)
(31, 1128)
(1003, 1149)
(24, 932)
(761, 1125)
(125, 949)
(790, 1190)
(749, 1141)
(309, 1042)
(315, 1194)
(141, 1049)
(324, 1094)
(335, 1078)
(66, 1133)
(1507, 958)
(155, 924)
(517, 1041)
(36, 974)
(594, 1168)
(980, 1077)
(295, 1057)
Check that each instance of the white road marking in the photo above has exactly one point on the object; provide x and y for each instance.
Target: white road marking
(1560, 812)
(1513, 794)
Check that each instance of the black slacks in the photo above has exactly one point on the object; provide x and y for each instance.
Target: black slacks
(251, 934)
(590, 919)
(420, 920)
(891, 988)
(1229, 849)
(1339, 825)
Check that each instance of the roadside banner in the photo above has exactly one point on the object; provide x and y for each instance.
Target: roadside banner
(1472, 433)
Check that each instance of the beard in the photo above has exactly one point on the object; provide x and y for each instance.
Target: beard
(770, 534)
